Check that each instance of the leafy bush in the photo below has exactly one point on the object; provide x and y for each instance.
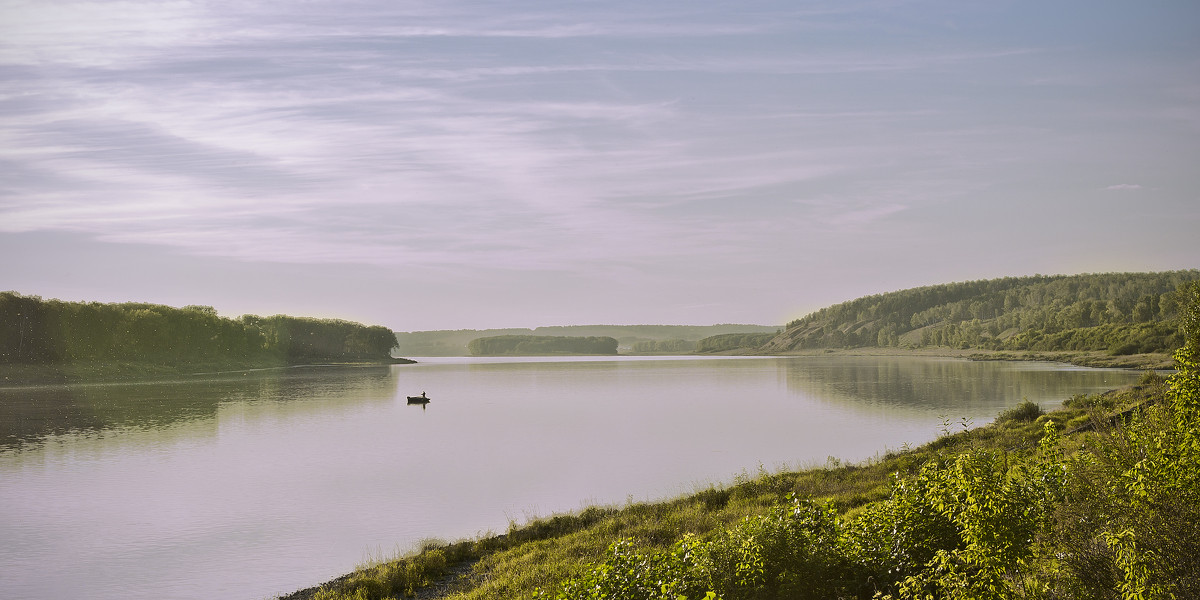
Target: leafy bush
(1101, 401)
(792, 552)
(1025, 411)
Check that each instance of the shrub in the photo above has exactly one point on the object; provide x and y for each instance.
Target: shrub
(1025, 411)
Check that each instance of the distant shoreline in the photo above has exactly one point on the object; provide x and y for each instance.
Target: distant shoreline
(1081, 358)
(114, 372)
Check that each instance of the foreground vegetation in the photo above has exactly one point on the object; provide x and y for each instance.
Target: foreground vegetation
(42, 339)
(1100, 499)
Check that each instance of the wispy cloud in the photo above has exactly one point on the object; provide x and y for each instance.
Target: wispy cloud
(115, 32)
(523, 136)
(1124, 187)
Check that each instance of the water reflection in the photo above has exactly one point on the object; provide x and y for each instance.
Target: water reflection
(954, 386)
(250, 485)
(28, 415)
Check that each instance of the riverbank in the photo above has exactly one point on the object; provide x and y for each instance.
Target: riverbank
(545, 552)
(131, 371)
(1096, 359)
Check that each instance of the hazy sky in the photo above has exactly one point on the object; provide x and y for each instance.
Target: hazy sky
(465, 164)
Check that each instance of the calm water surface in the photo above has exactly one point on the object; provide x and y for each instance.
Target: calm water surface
(248, 486)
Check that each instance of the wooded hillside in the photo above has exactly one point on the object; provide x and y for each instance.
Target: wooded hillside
(1122, 313)
(733, 341)
(36, 331)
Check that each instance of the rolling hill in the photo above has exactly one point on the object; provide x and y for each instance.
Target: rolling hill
(1121, 313)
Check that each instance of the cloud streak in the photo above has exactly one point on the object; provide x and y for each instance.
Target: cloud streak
(541, 138)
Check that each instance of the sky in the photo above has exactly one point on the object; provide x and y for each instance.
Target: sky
(459, 164)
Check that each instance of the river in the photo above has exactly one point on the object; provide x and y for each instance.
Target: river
(257, 484)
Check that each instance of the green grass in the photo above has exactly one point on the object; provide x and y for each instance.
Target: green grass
(545, 552)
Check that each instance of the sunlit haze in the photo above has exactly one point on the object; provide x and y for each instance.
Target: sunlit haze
(461, 164)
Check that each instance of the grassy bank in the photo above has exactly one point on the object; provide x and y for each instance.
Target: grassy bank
(640, 538)
(1152, 360)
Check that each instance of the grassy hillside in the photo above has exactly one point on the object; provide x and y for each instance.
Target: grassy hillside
(1117, 313)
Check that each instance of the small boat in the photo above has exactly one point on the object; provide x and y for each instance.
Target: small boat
(422, 399)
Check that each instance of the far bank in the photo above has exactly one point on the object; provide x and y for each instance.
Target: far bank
(1082, 358)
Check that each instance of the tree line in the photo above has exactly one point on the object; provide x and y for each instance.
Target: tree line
(664, 346)
(454, 342)
(732, 341)
(1123, 313)
(527, 345)
(37, 331)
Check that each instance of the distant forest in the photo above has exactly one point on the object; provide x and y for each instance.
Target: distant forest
(529, 345)
(664, 347)
(732, 341)
(36, 331)
(678, 338)
(1121, 313)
